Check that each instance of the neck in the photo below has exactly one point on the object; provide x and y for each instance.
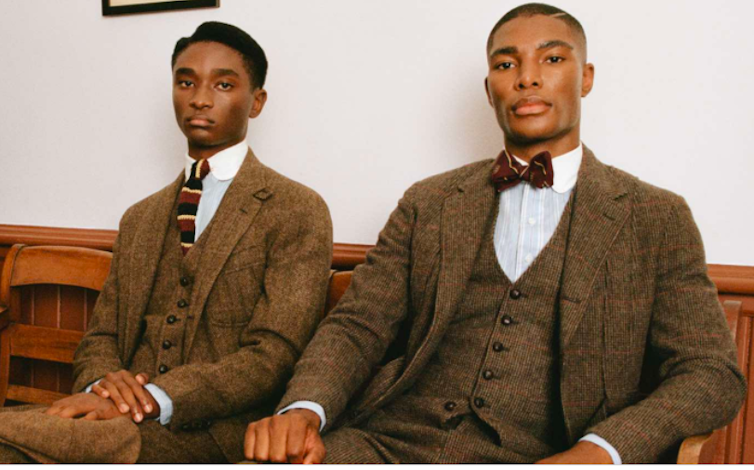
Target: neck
(198, 152)
(557, 146)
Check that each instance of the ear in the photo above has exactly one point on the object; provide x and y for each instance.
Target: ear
(260, 98)
(487, 90)
(587, 80)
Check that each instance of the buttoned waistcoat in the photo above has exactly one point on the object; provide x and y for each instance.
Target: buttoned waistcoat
(645, 355)
(260, 285)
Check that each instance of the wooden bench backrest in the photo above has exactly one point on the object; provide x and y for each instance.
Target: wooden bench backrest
(45, 290)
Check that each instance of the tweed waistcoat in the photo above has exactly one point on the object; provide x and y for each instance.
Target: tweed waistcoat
(498, 359)
(165, 318)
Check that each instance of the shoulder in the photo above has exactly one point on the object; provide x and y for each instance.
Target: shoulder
(292, 195)
(438, 187)
(137, 211)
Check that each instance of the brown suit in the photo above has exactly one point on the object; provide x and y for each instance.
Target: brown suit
(644, 349)
(259, 292)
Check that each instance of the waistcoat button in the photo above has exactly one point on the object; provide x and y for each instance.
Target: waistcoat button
(163, 368)
(450, 406)
(515, 294)
(479, 402)
(488, 375)
(182, 303)
(166, 344)
(185, 280)
(497, 347)
(506, 320)
(171, 319)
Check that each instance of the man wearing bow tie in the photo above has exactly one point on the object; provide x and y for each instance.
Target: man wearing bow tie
(540, 307)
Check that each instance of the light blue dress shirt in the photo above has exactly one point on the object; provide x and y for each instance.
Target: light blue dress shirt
(223, 167)
(527, 219)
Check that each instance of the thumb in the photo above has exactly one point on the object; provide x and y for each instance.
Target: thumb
(315, 448)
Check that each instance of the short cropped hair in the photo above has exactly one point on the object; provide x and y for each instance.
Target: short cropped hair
(254, 58)
(533, 9)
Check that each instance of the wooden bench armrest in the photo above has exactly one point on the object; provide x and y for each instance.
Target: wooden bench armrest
(691, 449)
(4, 316)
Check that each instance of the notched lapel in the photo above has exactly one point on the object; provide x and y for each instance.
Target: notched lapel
(465, 216)
(601, 208)
(145, 257)
(237, 210)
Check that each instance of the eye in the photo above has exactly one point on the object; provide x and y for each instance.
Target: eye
(504, 65)
(185, 83)
(225, 86)
(555, 59)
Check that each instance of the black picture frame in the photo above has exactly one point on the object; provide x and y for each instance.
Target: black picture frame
(168, 5)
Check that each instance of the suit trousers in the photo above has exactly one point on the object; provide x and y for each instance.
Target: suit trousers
(387, 437)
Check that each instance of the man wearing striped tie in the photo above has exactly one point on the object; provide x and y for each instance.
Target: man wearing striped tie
(216, 286)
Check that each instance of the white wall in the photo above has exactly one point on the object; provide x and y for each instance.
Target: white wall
(367, 97)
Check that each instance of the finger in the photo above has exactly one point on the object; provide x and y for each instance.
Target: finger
(69, 412)
(315, 452)
(139, 393)
(278, 434)
(262, 444)
(128, 396)
(91, 416)
(296, 441)
(53, 410)
(116, 397)
(100, 390)
(142, 378)
(249, 440)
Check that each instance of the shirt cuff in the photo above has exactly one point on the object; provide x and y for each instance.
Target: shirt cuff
(88, 389)
(595, 439)
(162, 399)
(311, 406)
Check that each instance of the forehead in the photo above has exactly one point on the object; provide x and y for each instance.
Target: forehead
(210, 55)
(531, 31)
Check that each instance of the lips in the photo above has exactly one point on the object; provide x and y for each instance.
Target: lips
(531, 105)
(200, 120)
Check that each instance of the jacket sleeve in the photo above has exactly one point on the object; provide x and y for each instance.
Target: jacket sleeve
(354, 337)
(97, 354)
(283, 321)
(700, 388)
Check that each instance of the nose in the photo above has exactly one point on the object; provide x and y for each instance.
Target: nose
(201, 99)
(529, 76)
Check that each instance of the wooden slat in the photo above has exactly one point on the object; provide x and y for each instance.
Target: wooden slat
(33, 395)
(738, 450)
(48, 344)
(46, 301)
(72, 308)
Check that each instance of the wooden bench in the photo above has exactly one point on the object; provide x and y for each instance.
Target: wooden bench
(48, 292)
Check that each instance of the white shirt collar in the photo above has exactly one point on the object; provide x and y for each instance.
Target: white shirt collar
(565, 169)
(223, 165)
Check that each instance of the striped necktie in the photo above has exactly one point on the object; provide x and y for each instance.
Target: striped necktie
(188, 202)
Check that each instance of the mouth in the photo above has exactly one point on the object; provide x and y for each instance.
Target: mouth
(200, 121)
(530, 106)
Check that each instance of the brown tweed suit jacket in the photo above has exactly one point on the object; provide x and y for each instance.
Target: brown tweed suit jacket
(646, 358)
(261, 285)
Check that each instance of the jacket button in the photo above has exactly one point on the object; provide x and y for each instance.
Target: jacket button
(186, 427)
(167, 344)
(255, 342)
(515, 294)
(185, 280)
(182, 303)
(488, 375)
(206, 423)
(506, 320)
(450, 406)
(163, 368)
(497, 347)
(171, 319)
(479, 402)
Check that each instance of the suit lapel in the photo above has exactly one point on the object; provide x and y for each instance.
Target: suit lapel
(465, 217)
(600, 210)
(145, 257)
(235, 214)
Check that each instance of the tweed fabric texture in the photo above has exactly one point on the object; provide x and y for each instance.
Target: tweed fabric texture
(29, 435)
(645, 351)
(257, 295)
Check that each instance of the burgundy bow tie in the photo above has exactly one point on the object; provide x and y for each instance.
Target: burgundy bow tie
(508, 172)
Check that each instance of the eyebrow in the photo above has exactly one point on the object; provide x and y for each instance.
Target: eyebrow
(509, 50)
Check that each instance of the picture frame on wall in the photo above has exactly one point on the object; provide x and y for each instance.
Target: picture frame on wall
(125, 7)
